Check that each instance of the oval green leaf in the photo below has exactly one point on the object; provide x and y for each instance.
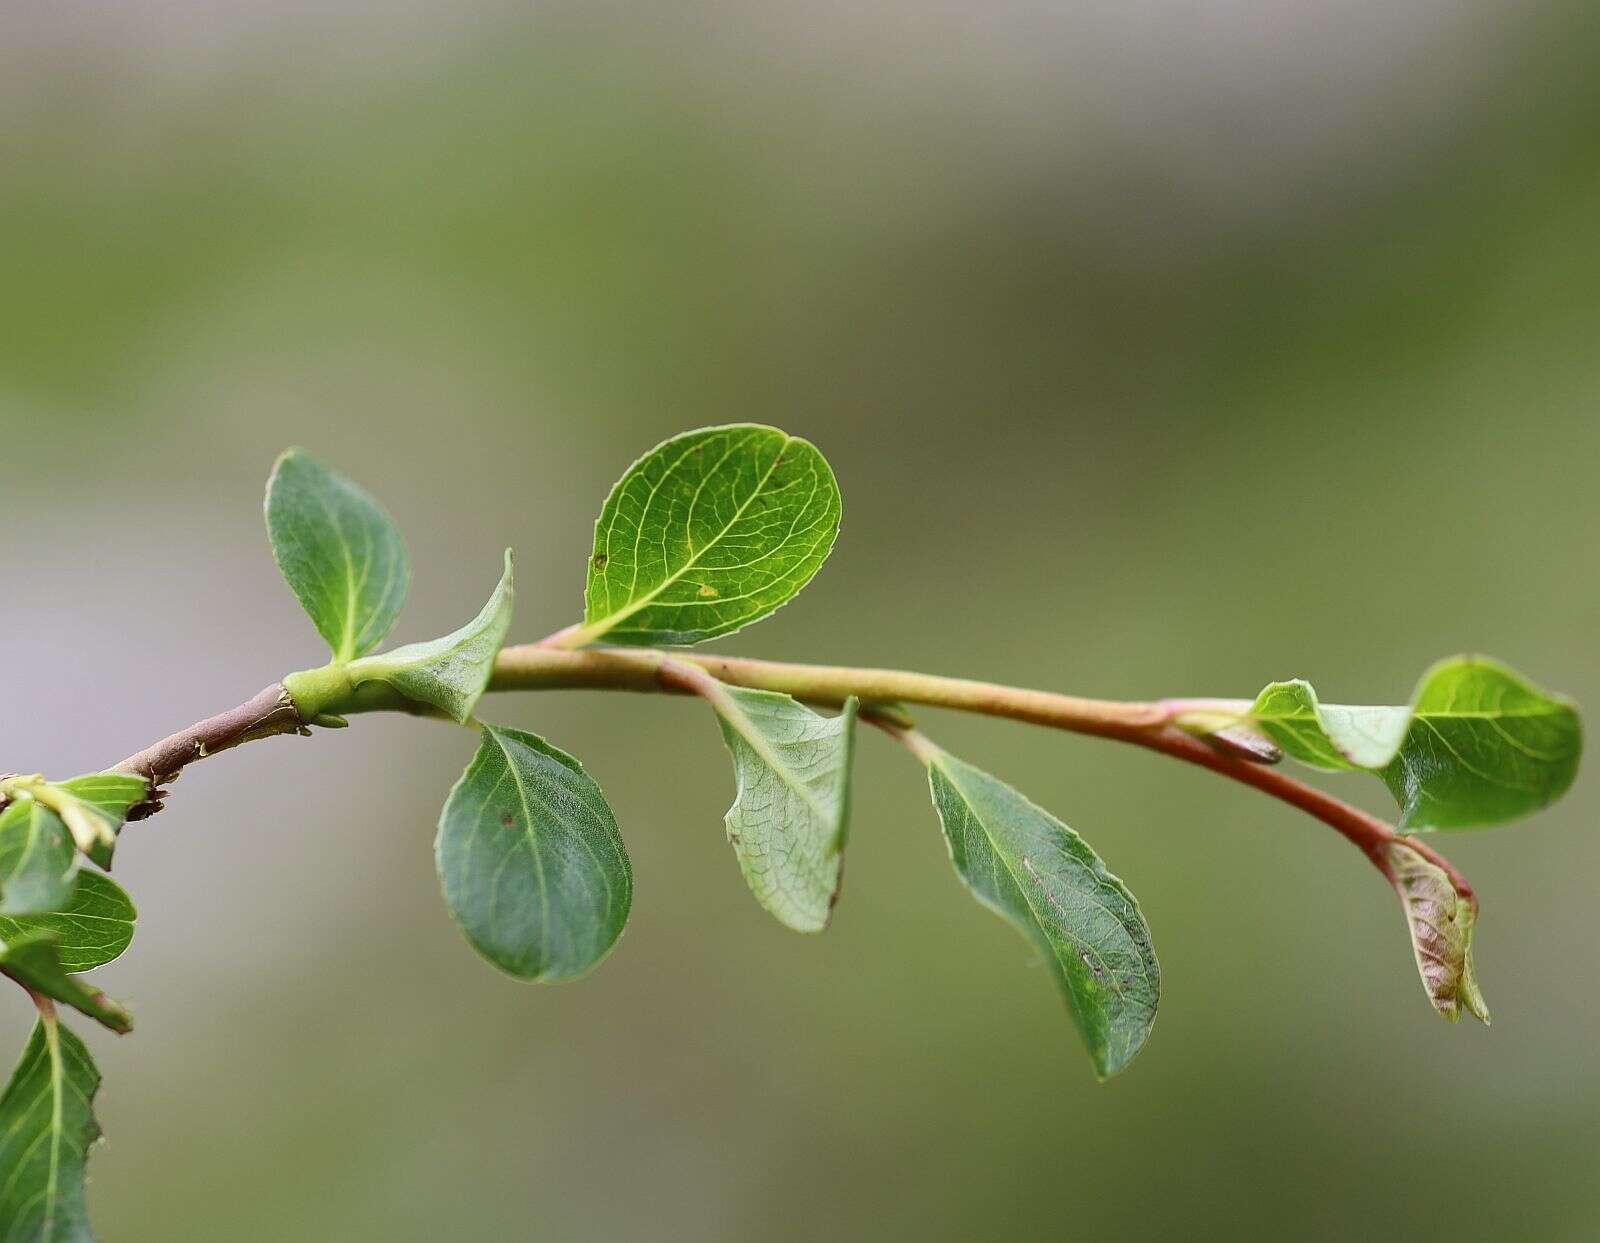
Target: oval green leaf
(339, 551)
(47, 1126)
(530, 860)
(94, 928)
(791, 814)
(707, 533)
(38, 861)
(1041, 877)
(1478, 745)
(449, 673)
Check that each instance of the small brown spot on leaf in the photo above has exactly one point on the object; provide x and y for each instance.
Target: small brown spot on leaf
(706, 591)
(508, 819)
(600, 560)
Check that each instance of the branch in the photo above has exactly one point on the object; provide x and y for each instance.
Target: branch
(537, 667)
(271, 712)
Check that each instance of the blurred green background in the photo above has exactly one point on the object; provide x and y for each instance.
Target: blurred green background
(1159, 348)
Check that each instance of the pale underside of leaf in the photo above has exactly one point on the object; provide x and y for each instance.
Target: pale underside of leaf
(47, 1125)
(451, 672)
(530, 860)
(339, 551)
(1440, 921)
(1040, 876)
(94, 928)
(1478, 744)
(708, 532)
(790, 816)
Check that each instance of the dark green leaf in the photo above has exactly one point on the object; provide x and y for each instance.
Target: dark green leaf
(790, 815)
(449, 673)
(339, 551)
(47, 1124)
(92, 930)
(707, 533)
(1478, 745)
(33, 960)
(530, 859)
(1036, 873)
(1440, 921)
(38, 862)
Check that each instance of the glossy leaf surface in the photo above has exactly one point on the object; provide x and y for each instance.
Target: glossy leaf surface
(707, 533)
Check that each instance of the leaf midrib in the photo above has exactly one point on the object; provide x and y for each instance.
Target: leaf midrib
(57, 1077)
(533, 845)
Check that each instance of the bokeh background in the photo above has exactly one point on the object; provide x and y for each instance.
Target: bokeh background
(1160, 348)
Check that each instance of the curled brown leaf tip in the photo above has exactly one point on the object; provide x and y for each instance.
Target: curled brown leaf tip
(1440, 919)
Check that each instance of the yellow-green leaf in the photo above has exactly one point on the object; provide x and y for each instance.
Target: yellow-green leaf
(706, 533)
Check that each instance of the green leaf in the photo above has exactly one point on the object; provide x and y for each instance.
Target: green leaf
(449, 673)
(91, 930)
(38, 862)
(47, 1124)
(1478, 745)
(707, 533)
(1440, 921)
(33, 960)
(530, 859)
(789, 818)
(1040, 876)
(95, 807)
(339, 551)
